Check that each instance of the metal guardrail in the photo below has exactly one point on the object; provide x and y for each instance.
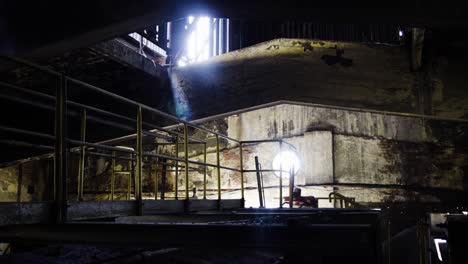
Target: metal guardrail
(63, 108)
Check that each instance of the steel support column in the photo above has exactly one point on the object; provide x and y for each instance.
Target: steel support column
(291, 187)
(81, 162)
(218, 168)
(113, 176)
(177, 169)
(61, 152)
(281, 177)
(186, 161)
(139, 160)
(204, 171)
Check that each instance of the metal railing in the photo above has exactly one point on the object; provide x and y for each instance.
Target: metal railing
(63, 145)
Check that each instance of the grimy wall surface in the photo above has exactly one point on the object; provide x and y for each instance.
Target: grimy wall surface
(338, 73)
(386, 158)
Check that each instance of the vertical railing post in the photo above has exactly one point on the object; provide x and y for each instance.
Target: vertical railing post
(60, 153)
(281, 176)
(113, 176)
(20, 182)
(130, 173)
(291, 187)
(81, 162)
(163, 178)
(186, 161)
(139, 161)
(259, 183)
(156, 180)
(177, 169)
(241, 165)
(218, 169)
(204, 171)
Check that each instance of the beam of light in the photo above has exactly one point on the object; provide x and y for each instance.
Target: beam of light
(197, 43)
(465, 213)
(437, 242)
(181, 102)
(285, 161)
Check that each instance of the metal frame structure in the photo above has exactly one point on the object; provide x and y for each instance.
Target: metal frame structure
(64, 146)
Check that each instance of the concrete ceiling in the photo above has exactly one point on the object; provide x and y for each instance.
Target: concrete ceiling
(36, 30)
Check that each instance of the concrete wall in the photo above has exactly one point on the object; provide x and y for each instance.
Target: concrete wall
(375, 157)
(339, 73)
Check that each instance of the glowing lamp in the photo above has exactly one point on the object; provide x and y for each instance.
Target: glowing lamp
(285, 161)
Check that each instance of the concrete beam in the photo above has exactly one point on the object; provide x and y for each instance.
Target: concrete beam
(118, 50)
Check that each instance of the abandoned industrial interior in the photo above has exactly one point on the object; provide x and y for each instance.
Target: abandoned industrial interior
(233, 132)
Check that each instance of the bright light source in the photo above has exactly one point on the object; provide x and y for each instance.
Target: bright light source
(465, 212)
(181, 63)
(285, 161)
(400, 33)
(438, 241)
(191, 19)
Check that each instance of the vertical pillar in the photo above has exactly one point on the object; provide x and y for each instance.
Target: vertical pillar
(163, 178)
(221, 38)
(177, 169)
(156, 180)
(204, 172)
(291, 187)
(186, 161)
(281, 177)
(210, 37)
(20, 182)
(130, 174)
(218, 169)
(241, 165)
(60, 153)
(259, 182)
(139, 161)
(113, 176)
(81, 162)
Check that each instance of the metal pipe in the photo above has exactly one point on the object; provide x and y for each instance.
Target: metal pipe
(27, 132)
(145, 107)
(20, 182)
(186, 162)
(218, 168)
(259, 182)
(90, 118)
(100, 146)
(177, 170)
(83, 106)
(192, 161)
(139, 165)
(156, 180)
(268, 141)
(25, 144)
(204, 172)
(129, 185)
(291, 187)
(28, 102)
(281, 177)
(97, 154)
(241, 165)
(163, 180)
(81, 161)
(61, 151)
(113, 176)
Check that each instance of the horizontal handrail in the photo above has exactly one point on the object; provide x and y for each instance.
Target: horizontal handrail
(267, 141)
(82, 106)
(145, 107)
(27, 132)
